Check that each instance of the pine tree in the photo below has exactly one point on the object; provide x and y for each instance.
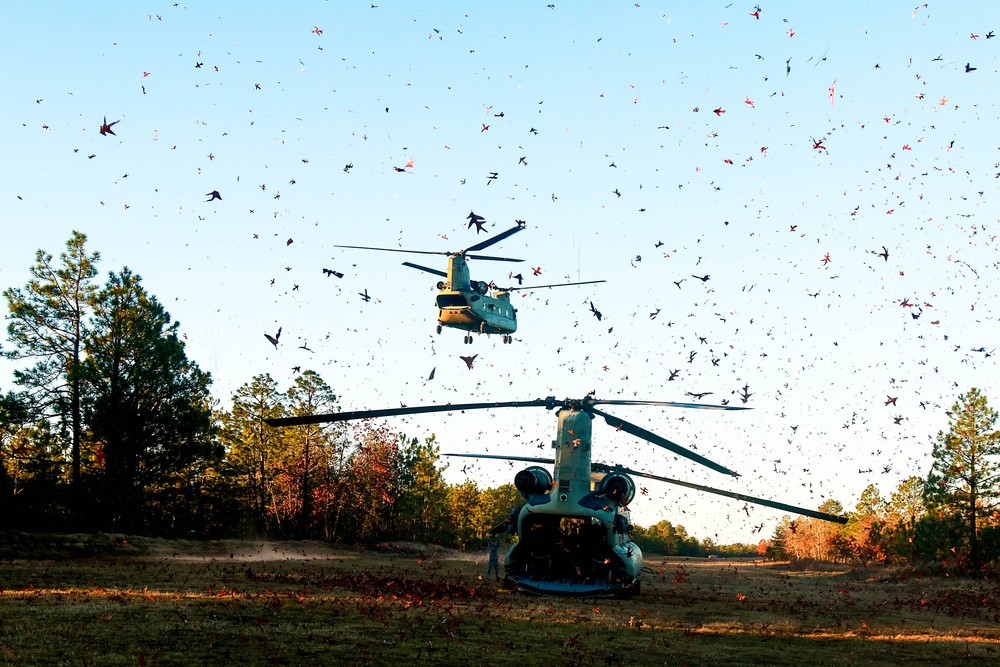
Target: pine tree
(310, 395)
(963, 479)
(425, 496)
(254, 448)
(148, 408)
(48, 325)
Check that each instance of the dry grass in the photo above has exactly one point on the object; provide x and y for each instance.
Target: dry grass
(178, 603)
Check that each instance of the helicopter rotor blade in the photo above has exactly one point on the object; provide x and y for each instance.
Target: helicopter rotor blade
(522, 288)
(525, 459)
(649, 436)
(823, 516)
(669, 404)
(392, 412)
(494, 259)
(436, 272)
(415, 252)
(495, 239)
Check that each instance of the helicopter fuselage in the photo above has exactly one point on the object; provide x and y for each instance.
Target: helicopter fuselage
(478, 313)
(467, 304)
(573, 537)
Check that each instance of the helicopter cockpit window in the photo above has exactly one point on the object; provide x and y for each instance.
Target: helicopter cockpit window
(451, 301)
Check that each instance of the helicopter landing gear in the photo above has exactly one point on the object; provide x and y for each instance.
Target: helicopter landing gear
(507, 339)
(439, 328)
(468, 339)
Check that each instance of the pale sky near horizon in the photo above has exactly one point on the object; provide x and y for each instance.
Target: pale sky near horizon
(671, 140)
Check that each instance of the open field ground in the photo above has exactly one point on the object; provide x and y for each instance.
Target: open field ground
(150, 602)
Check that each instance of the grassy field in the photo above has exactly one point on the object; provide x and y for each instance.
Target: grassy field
(123, 601)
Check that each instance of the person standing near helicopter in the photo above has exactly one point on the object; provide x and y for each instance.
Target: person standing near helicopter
(494, 565)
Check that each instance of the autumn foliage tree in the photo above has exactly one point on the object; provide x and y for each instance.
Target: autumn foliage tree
(815, 539)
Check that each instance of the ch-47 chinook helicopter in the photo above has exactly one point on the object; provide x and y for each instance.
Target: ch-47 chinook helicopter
(473, 305)
(573, 529)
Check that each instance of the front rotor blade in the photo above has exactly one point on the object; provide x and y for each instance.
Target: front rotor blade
(494, 259)
(392, 412)
(640, 432)
(436, 272)
(526, 459)
(416, 252)
(519, 289)
(823, 516)
(496, 239)
(670, 404)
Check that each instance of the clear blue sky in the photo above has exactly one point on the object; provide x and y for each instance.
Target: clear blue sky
(622, 96)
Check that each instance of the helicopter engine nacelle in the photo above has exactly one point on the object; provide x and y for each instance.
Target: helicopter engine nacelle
(533, 481)
(479, 287)
(618, 487)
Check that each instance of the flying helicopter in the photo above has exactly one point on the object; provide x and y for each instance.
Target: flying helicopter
(574, 528)
(473, 306)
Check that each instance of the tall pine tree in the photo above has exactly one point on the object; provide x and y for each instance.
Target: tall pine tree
(964, 478)
(310, 395)
(148, 407)
(48, 326)
(255, 450)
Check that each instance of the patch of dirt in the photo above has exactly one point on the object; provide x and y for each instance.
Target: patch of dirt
(251, 551)
(50, 546)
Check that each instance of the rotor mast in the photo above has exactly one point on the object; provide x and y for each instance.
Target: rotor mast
(572, 475)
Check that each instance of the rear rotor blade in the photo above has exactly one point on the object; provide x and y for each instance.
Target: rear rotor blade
(392, 412)
(640, 432)
(436, 272)
(495, 239)
(823, 516)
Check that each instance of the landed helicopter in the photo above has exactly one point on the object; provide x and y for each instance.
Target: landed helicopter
(473, 305)
(574, 527)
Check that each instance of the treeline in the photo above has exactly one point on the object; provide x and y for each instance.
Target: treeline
(952, 516)
(669, 540)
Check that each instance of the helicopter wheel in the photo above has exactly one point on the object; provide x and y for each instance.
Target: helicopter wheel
(439, 328)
